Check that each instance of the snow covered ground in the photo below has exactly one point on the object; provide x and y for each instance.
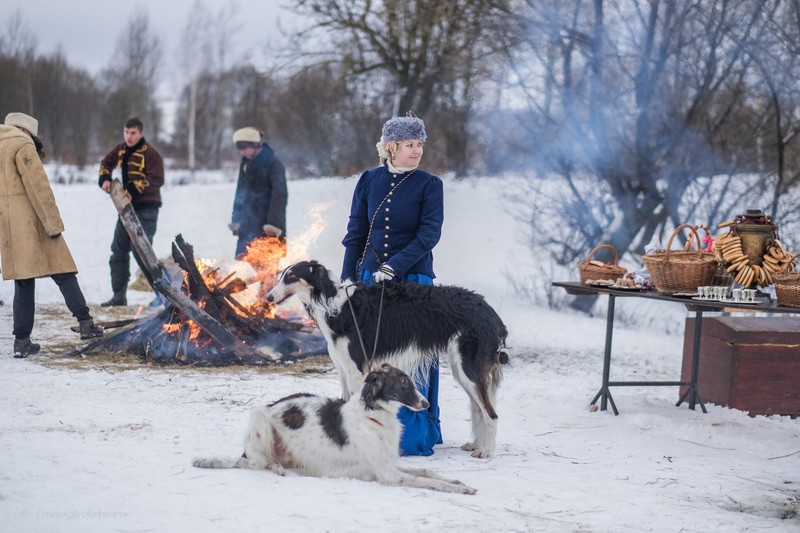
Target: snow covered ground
(105, 445)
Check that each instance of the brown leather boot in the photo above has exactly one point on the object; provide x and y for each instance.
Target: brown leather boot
(89, 330)
(24, 347)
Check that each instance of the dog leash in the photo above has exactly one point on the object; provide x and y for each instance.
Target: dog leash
(383, 284)
(377, 326)
(360, 263)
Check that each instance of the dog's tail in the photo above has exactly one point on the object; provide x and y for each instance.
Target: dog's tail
(217, 462)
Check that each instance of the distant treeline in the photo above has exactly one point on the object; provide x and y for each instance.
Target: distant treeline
(645, 97)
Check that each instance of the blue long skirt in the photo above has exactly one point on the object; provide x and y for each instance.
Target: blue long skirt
(421, 429)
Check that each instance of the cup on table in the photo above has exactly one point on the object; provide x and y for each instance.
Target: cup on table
(720, 292)
(750, 295)
(702, 292)
(737, 295)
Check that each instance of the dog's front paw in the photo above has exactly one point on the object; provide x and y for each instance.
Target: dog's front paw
(477, 452)
(278, 469)
(467, 490)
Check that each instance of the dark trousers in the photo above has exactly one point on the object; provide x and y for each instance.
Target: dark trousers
(121, 248)
(25, 304)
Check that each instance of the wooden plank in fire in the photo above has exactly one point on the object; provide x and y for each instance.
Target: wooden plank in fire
(160, 280)
(217, 303)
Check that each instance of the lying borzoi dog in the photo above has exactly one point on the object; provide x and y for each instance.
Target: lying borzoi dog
(417, 323)
(327, 437)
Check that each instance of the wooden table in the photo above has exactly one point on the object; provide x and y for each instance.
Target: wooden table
(691, 395)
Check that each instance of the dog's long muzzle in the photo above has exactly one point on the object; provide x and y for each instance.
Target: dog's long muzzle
(421, 403)
(276, 295)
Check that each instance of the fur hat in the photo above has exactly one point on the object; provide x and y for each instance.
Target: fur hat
(248, 134)
(404, 129)
(21, 120)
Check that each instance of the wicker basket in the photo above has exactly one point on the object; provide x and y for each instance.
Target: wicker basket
(588, 271)
(787, 287)
(680, 271)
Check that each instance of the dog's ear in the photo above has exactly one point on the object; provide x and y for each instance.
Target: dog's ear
(318, 270)
(371, 392)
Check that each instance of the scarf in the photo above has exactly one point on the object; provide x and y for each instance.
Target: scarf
(399, 170)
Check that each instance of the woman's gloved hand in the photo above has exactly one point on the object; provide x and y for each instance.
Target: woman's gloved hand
(384, 273)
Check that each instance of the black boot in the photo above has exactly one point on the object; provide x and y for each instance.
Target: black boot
(24, 348)
(119, 298)
(89, 330)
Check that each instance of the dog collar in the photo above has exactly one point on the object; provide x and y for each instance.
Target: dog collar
(377, 422)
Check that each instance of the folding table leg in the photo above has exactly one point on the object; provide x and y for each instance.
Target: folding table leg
(604, 394)
(691, 390)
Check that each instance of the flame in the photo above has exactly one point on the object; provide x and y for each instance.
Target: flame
(305, 241)
(196, 334)
(256, 272)
(173, 329)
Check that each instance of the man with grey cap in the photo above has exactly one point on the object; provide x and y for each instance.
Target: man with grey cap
(31, 244)
(259, 206)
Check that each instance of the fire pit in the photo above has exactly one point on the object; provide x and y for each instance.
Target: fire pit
(204, 321)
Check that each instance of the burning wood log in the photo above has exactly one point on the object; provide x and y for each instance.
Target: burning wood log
(159, 279)
(203, 323)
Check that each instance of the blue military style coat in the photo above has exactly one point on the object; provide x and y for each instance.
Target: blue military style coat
(406, 212)
(396, 218)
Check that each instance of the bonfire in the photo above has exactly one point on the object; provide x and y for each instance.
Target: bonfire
(213, 317)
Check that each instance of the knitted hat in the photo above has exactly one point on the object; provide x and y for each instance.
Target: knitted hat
(21, 120)
(247, 134)
(404, 129)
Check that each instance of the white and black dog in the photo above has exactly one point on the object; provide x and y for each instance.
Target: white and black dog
(417, 323)
(328, 437)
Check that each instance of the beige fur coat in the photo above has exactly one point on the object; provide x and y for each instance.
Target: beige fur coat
(31, 245)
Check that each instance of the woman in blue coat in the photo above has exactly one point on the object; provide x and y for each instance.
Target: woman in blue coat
(395, 221)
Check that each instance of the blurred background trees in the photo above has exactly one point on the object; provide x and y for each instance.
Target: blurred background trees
(633, 106)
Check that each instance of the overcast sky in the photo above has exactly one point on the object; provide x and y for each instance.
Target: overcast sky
(87, 30)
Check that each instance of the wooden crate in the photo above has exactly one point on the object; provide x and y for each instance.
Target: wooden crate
(748, 363)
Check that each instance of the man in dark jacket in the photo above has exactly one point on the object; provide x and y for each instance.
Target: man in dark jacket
(142, 177)
(259, 207)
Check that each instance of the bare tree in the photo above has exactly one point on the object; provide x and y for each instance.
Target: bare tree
(321, 125)
(18, 46)
(46, 86)
(422, 55)
(630, 93)
(131, 80)
(630, 103)
(775, 52)
(203, 124)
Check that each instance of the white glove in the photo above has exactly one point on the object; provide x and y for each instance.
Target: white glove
(384, 273)
(234, 228)
(272, 231)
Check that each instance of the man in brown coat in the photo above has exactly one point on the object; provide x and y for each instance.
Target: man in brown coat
(142, 177)
(31, 244)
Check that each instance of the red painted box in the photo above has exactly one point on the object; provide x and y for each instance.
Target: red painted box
(748, 363)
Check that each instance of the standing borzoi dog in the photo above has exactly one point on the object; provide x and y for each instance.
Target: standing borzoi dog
(327, 437)
(417, 323)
